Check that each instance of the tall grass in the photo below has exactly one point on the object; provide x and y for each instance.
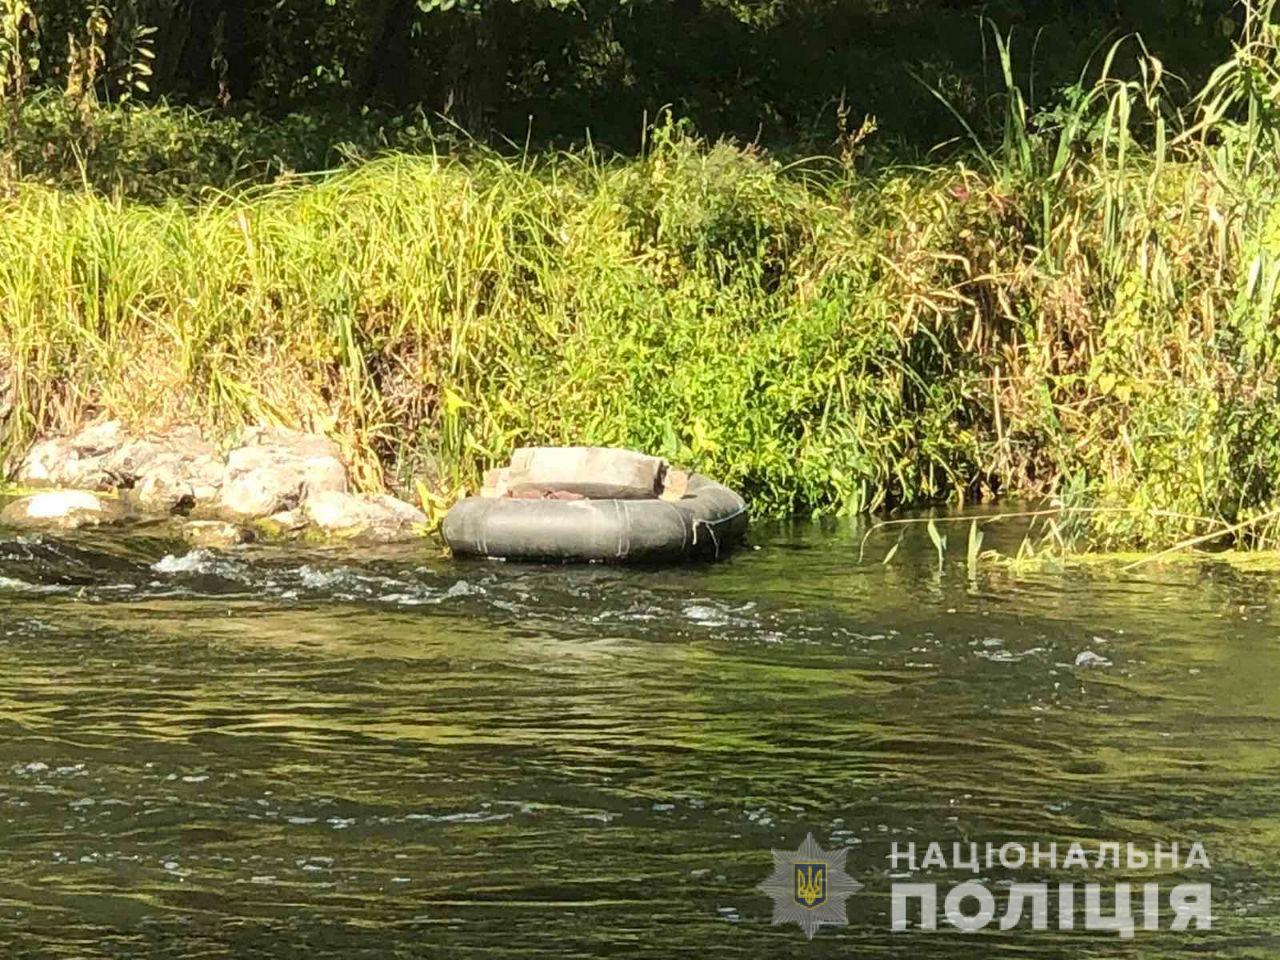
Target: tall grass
(1086, 308)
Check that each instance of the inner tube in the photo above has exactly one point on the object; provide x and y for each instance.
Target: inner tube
(704, 522)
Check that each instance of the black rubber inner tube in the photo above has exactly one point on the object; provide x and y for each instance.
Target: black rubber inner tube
(704, 522)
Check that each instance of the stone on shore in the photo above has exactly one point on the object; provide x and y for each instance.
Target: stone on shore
(75, 461)
(295, 441)
(135, 458)
(174, 483)
(99, 438)
(274, 470)
(169, 471)
(215, 533)
(262, 480)
(269, 480)
(371, 518)
(57, 463)
(284, 524)
(62, 510)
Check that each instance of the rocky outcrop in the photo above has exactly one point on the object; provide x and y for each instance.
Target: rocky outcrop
(276, 471)
(279, 481)
(174, 483)
(166, 471)
(371, 517)
(62, 510)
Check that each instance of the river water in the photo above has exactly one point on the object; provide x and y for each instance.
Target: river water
(332, 754)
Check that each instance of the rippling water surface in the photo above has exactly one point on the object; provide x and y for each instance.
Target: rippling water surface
(278, 754)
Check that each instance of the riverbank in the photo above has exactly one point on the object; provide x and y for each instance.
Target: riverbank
(1085, 310)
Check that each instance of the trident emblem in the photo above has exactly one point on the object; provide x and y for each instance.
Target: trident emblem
(811, 884)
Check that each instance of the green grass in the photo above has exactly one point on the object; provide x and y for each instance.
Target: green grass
(1085, 309)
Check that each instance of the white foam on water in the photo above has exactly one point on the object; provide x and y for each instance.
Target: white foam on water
(315, 579)
(464, 589)
(1087, 658)
(197, 561)
(22, 586)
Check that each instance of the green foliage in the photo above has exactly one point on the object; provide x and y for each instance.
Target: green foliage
(698, 302)
(160, 152)
(1081, 306)
(555, 69)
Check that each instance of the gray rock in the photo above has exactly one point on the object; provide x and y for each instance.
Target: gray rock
(596, 472)
(62, 510)
(72, 462)
(103, 457)
(85, 473)
(264, 479)
(206, 474)
(99, 438)
(44, 463)
(299, 443)
(178, 471)
(188, 439)
(127, 462)
(172, 482)
(372, 518)
(133, 459)
(58, 463)
(163, 488)
(258, 493)
(1090, 660)
(215, 533)
(283, 524)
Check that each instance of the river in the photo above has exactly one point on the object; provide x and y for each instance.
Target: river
(281, 753)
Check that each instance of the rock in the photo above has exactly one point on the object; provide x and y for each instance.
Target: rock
(597, 472)
(301, 444)
(283, 524)
(375, 518)
(127, 462)
(258, 493)
(62, 510)
(1088, 659)
(98, 439)
(103, 456)
(275, 470)
(206, 474)
(165, 486)
(57, 463)
(172, 482)
(44, 463)
(264, 479)
(85, 473)
(674, 484)
(130, 462)
(215, 533)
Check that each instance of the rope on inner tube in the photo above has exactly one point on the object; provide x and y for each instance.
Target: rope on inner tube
(711, 525)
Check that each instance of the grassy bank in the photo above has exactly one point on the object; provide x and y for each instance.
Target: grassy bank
(1085, 309)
